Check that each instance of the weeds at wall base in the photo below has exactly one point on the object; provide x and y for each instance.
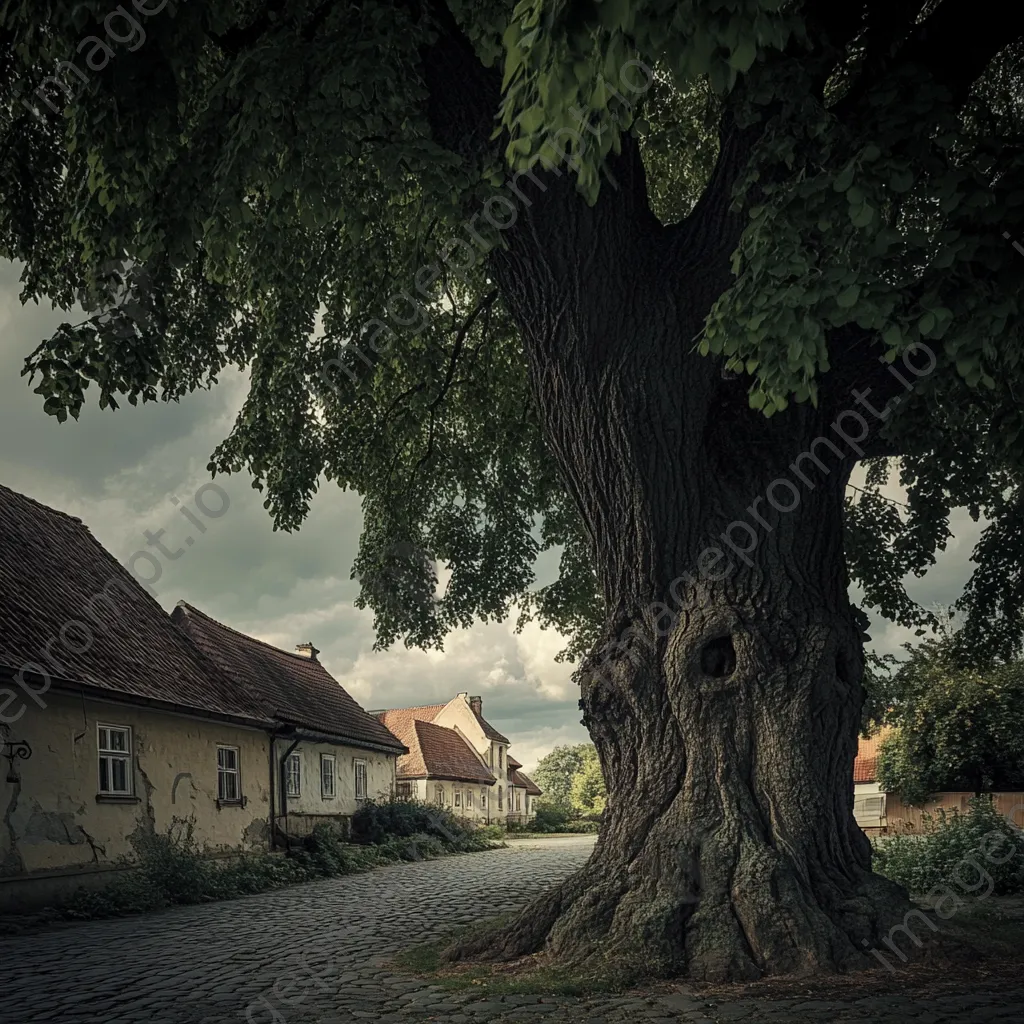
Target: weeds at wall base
(171, 869)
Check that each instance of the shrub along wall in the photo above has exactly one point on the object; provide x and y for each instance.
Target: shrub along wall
(978, 849)
(170, 868)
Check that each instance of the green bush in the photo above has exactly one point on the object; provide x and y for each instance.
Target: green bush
(553, 817)
(380, 822)
(945, 849)
(550, 817)
(172, 862)
(494, 833)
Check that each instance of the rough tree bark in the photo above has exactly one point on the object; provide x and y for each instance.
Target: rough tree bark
(726, 733)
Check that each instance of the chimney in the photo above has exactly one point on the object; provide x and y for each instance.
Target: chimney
(477, 704)
(307, 651)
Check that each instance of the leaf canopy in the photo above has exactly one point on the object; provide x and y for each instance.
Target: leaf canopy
(296, 189)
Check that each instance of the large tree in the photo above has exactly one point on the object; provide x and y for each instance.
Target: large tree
(746, 244)
(556, 770)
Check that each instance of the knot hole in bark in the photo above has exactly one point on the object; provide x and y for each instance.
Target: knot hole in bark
(718, 658)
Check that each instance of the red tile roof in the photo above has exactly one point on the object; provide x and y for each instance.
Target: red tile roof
(435, 752)
(292, 687)
(865, 765)
(428, 712)
(865, 769)
(532, 789)
(54, 576)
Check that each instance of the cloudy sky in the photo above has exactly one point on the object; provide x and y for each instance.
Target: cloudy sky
(119, 471)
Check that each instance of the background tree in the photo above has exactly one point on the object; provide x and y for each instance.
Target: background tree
(956, 728)
(555, 773)
(589, 794)
(757, 242)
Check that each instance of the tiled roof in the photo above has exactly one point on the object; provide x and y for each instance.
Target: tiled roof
(434, 751)
(865, 765)
(489, 731)
(512, 762)
(55, 575)
(293, 688)
(428, 712)
(532, 789)
(865, 769)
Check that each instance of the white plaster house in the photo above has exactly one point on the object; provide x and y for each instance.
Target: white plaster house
(457, 759)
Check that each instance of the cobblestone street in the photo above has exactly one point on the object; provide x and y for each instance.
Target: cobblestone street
(317, 955)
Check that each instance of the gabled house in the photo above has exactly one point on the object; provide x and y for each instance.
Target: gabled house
(112, 720)
(329, 754)
(441, 767)
(459, 760)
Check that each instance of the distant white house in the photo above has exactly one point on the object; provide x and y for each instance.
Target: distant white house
(457, 759)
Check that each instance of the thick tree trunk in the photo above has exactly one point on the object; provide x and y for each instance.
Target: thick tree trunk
(725, 697)
(729, 848)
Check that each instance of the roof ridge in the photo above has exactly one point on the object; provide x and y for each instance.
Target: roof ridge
(414, 707)
(192, 609)
(47, 508)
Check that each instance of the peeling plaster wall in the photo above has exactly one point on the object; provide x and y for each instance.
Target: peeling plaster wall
(52, 818)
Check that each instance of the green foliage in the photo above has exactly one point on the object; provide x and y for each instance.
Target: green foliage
(957, 728)
(230, 193)
(555, 772)
(554, 818)
(493, 833)
(573, 785)
(949, 844)
(549, 817)
(380, 821)
(589, 793)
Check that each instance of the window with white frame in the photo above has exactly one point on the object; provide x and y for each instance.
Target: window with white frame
(483, 799)
(404, 791)
(328, 774)
(519, 798)
(229, 784)
(439, 795)
(458, 798)
(115, 760)
(469, 798)
(360, 770)
(293, 775)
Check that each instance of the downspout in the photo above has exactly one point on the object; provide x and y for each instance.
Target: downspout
(284, 787)
(273, 823)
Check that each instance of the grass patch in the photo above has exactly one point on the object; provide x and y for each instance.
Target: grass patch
(529, 975)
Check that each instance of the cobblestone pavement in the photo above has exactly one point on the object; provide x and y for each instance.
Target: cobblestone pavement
(317, 954)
